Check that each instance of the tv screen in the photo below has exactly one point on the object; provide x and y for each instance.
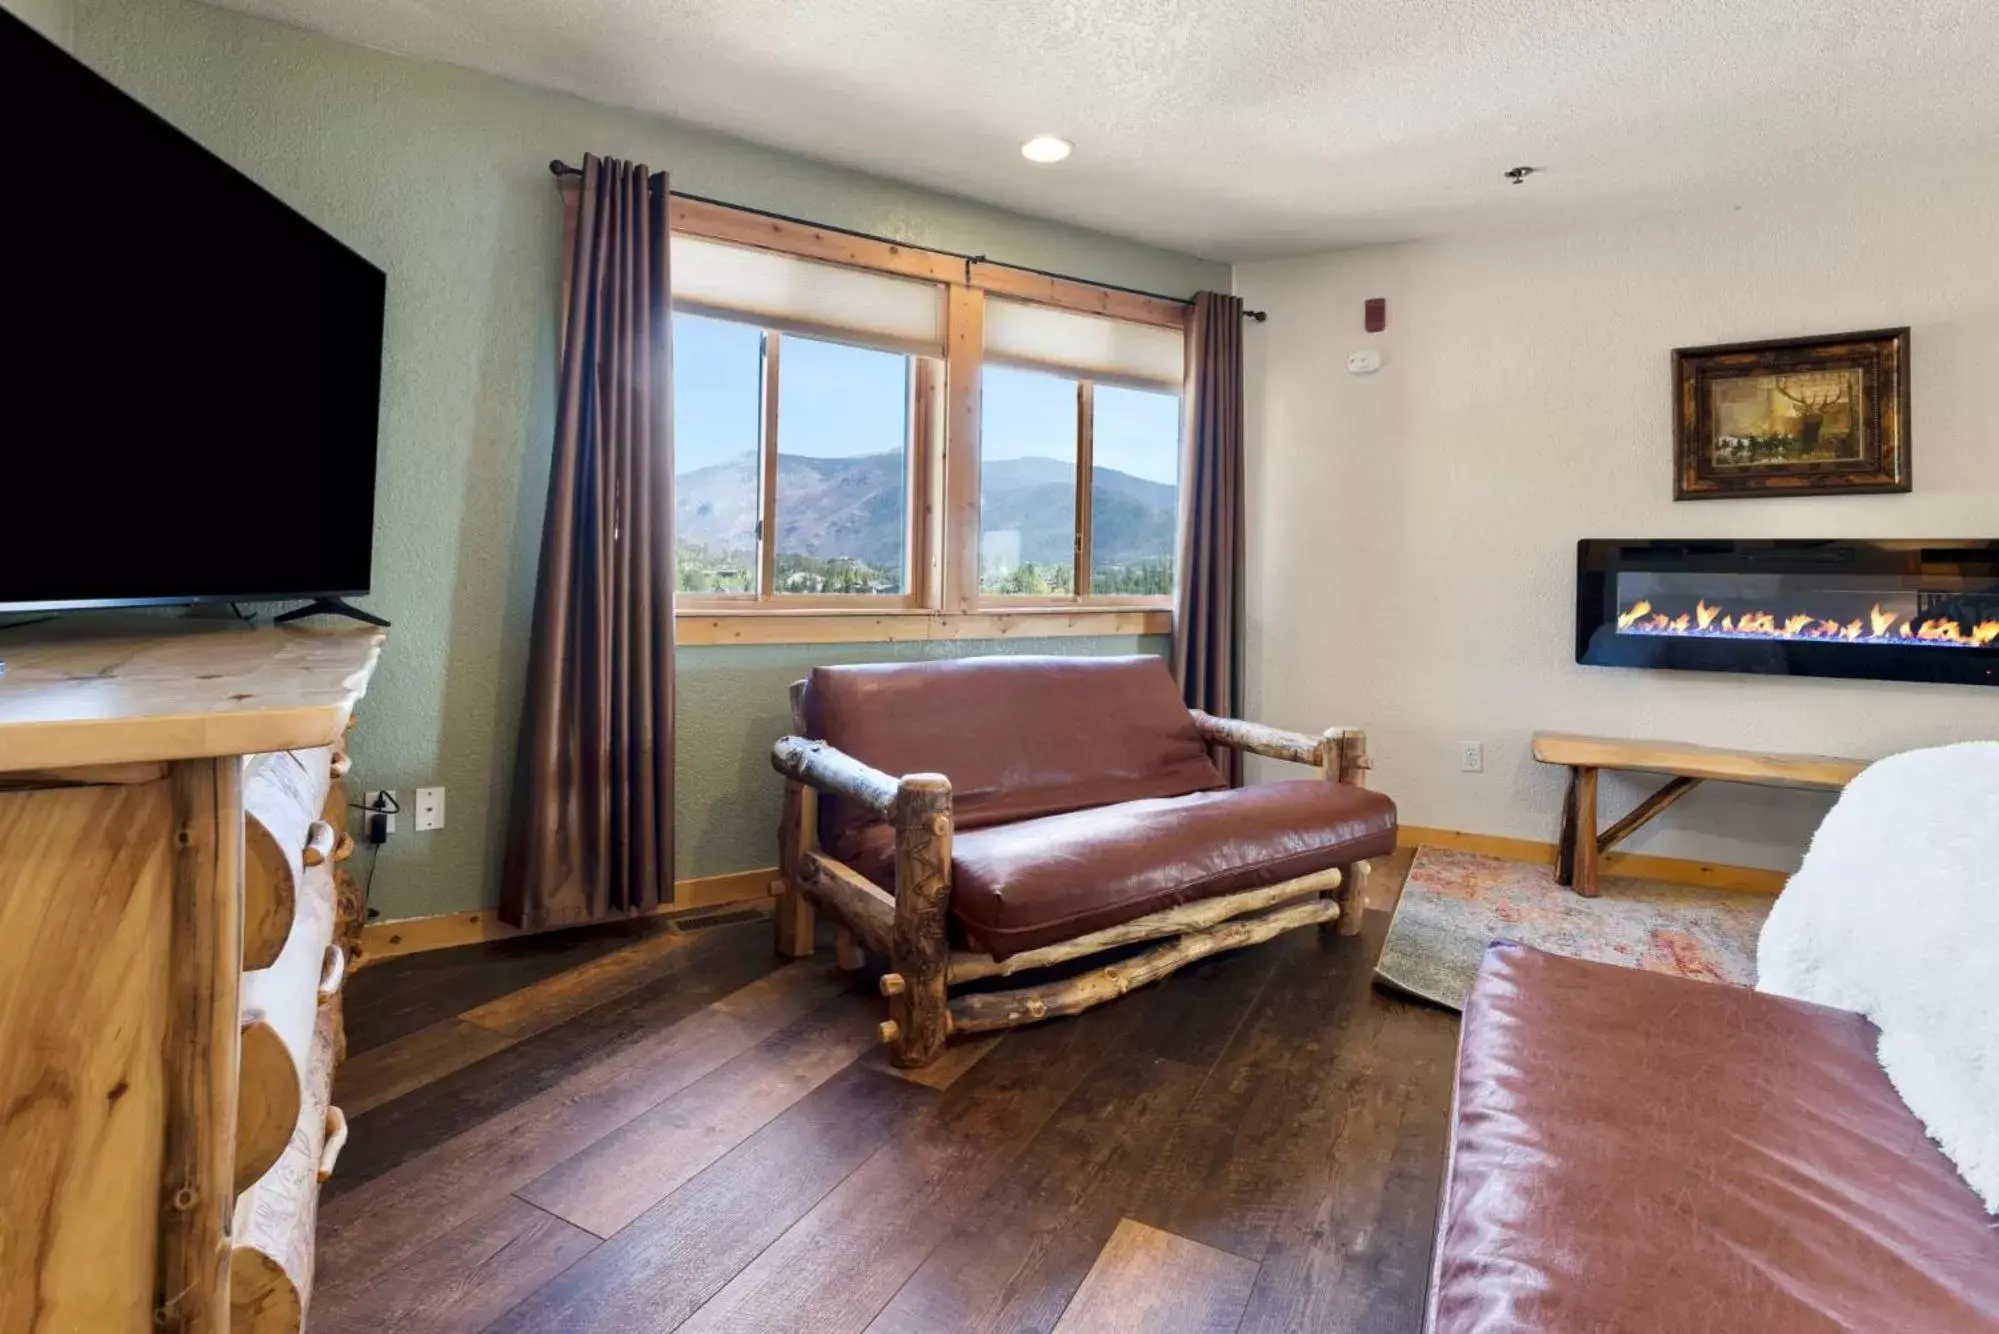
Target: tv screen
(191, 384)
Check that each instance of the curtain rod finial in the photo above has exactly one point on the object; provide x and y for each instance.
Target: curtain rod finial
(1258, 315)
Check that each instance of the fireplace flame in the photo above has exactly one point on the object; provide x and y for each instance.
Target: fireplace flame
(1880, 626)
(1626, 619)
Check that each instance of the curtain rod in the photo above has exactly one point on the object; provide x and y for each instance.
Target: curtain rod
(557, 167)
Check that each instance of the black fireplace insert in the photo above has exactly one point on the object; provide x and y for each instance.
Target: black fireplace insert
(1877, 610)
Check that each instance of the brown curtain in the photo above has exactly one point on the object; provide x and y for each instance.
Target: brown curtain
(1208, 597)
(591, 834)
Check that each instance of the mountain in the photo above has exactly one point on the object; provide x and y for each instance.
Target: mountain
(852, 508)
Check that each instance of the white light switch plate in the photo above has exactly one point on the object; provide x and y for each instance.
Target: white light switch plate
(1365, 362)
(1471, 760)
(429, 808)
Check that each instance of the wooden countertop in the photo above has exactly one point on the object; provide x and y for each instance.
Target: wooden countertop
(145, 689)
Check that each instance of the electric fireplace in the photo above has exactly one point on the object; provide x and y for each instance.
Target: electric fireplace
(1879, 610)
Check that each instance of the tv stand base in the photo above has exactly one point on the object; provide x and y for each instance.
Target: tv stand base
(330, 607)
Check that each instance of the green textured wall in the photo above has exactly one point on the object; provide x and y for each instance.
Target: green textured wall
(52, 17)
(439, 176)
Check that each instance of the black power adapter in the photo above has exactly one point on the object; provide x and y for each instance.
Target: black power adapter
(375, 823)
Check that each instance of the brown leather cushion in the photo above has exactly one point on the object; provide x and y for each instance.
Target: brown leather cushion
(1641, 1152)
(1018, 737)
(1020, 886)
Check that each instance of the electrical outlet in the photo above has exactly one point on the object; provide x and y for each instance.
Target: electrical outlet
(1471, 758)
(429, 808)
(378, 823)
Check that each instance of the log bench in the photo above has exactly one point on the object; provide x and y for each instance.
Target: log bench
(1685, 766)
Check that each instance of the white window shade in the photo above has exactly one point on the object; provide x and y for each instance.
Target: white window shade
(1045, 338)
(801, 296)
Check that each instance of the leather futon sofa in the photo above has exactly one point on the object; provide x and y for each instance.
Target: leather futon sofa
(980, 817)
(1643, 1153)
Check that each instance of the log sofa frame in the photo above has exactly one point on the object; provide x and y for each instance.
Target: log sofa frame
(911, 927)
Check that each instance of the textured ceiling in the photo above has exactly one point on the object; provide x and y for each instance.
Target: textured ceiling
(1247, 128)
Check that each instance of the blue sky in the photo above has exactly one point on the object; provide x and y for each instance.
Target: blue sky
(837, 401)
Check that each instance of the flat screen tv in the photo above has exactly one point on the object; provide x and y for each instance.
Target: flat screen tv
(190, 385)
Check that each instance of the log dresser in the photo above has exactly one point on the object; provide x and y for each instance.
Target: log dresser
(174, 929)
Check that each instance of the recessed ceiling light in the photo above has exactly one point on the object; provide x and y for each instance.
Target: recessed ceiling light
(1046, 148)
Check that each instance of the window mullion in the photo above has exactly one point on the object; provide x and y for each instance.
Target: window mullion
(1085, 447)
(924, 469)
(767, 524)
(965, 318)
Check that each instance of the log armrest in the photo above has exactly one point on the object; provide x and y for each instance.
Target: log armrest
(1325, 752)
(912, 925)
(821, 766)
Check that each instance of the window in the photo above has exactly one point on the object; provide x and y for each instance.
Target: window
(1080, 455)
(1041, 434)
(1134, 491)
(1027, 483)
(842, 468)
(864, 426)
(717, 453)
(806, 438)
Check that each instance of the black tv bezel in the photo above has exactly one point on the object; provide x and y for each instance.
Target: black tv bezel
(367, 270)
(1599, 560)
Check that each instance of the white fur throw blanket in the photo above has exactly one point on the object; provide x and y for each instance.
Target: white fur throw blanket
(1895, 914)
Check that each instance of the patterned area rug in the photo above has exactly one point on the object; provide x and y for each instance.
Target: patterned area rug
(1455, 903)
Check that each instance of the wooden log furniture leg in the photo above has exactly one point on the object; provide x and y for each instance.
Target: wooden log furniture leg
(1343, 759)
(797, 837)
(1580, 853)
(797, 834)
(1583, 858)
(847, 951)
(1565, 842)
(921, 948)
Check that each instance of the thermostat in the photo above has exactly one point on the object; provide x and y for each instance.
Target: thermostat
(1365, 362)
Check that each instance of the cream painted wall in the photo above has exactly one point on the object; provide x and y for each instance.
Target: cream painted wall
(50, 17)
(439, 175)
(1412, 532)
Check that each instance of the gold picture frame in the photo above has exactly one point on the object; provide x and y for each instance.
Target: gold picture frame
(1792, 417)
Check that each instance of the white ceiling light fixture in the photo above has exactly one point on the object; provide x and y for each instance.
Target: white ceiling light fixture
(1046, 148)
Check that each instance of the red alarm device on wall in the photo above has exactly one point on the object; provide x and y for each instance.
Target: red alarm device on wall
(1375, 314)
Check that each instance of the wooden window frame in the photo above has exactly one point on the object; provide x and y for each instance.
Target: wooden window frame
(943, 599)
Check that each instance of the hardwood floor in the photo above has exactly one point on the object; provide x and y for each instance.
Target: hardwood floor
(651, 1128)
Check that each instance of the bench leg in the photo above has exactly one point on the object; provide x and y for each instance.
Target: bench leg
(1565, 842)
(1582, 844)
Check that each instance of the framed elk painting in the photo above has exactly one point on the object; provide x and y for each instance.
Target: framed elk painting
(1792, 417)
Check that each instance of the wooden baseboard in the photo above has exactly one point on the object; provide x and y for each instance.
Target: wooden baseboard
(1673, 870)
(383, 940)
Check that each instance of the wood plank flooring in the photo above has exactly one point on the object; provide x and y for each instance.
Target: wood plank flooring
(652, 1128)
